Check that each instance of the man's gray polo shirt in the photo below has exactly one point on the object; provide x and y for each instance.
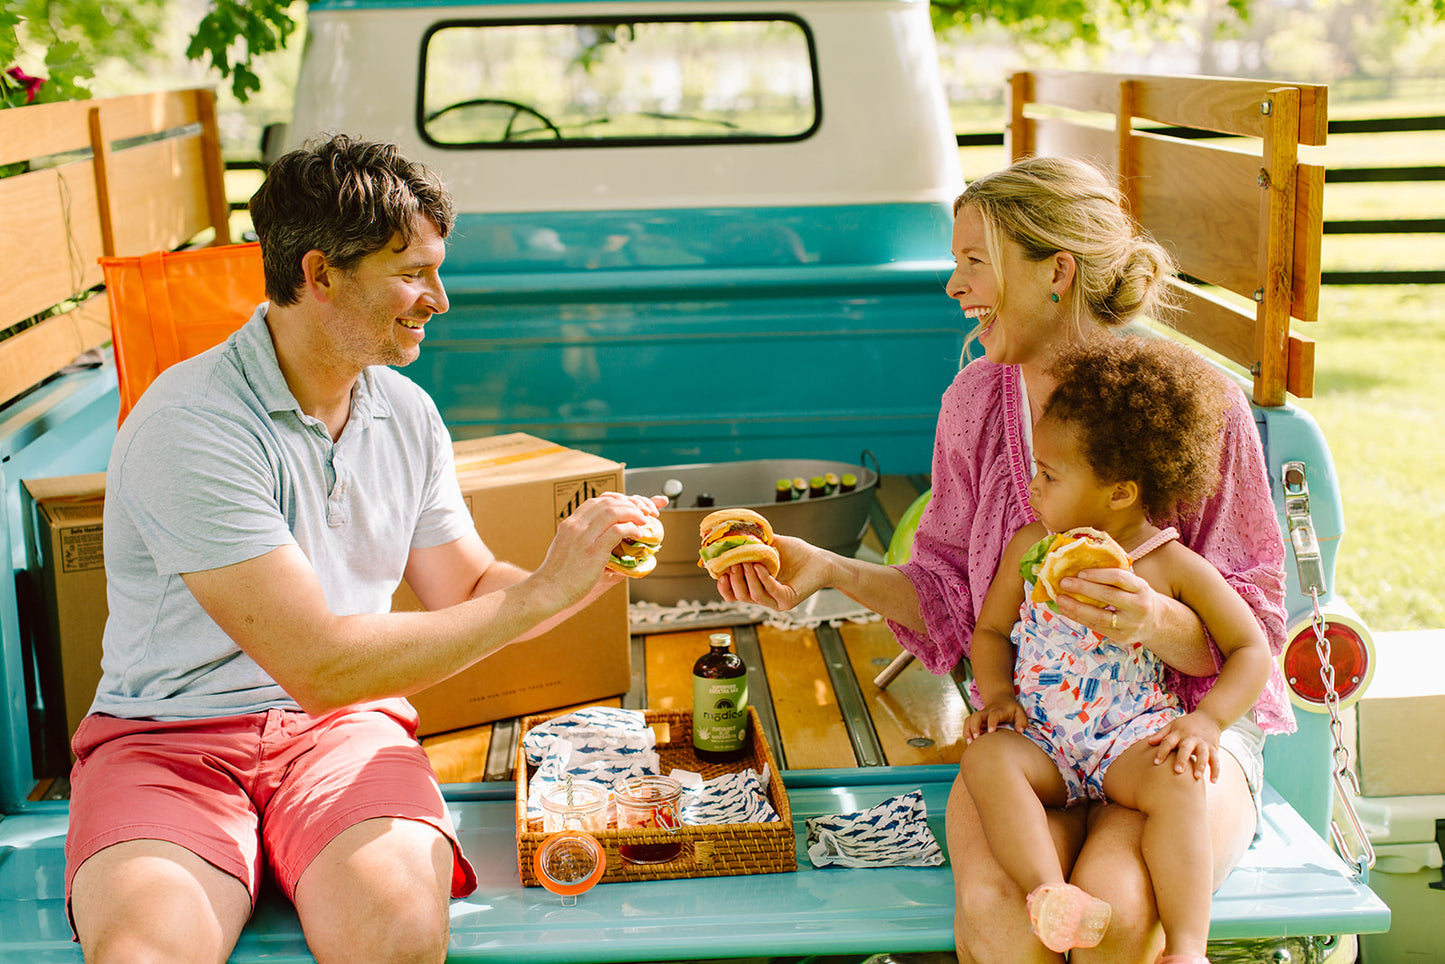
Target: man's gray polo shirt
(216, 465)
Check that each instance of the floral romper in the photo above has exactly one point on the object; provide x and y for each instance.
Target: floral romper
(1088, 699)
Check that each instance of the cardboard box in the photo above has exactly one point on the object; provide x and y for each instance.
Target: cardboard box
(71, 584)
(519, 488)
(1399, 717)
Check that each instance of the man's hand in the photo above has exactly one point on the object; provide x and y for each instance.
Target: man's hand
(575, 566)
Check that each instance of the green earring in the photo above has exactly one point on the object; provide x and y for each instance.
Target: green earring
(1054, 297)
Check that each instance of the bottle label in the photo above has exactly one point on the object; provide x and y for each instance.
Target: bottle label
(719, 713)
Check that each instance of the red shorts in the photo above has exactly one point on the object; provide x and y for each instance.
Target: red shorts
(242, 792)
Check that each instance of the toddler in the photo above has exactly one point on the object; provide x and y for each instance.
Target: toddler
(1130, 434)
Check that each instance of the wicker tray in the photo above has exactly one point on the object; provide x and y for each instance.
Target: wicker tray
(707, 851)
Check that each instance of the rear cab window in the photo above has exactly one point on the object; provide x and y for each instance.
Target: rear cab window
(609, 82)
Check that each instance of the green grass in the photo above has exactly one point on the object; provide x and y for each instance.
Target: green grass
(1379, 385)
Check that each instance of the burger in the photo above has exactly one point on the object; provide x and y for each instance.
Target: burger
(731, 537)
(636, 557)
(1064, 554)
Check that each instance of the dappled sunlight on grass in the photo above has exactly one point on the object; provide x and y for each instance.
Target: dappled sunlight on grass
(1380, 399)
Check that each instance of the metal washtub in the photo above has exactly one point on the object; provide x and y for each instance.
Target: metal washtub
(835, 522)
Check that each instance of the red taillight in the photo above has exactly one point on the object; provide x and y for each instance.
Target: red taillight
(1349, 655)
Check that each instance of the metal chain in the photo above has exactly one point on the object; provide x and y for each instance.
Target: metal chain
(1342, 774)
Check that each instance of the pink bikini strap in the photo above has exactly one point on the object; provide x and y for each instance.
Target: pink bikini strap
(1154, 542)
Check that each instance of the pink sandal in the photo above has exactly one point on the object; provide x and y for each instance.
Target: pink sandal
(1064, 917)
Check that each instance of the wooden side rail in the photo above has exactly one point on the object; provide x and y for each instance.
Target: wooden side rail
(1242, 214)
(114, 176)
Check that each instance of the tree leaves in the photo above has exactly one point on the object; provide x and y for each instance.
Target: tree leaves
(245, 28)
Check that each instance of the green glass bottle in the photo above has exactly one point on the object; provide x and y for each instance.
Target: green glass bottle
(720, 703)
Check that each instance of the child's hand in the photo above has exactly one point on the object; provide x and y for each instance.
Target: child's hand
(1007, 713)
(1193, 739)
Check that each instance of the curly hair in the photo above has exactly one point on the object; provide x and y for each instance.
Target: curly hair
(1147, 410)
(346, 198)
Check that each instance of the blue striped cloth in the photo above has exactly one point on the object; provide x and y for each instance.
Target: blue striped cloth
(892, 834)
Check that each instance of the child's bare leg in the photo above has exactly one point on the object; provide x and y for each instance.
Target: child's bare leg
(1011, 780)
(1175, 841)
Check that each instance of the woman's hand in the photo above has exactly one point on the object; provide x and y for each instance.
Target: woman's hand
(1130, 605)
(1134, 612)
(1193, 739)
(1006, 712)
(803, 569)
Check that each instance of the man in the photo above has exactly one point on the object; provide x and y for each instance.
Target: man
(263, 501)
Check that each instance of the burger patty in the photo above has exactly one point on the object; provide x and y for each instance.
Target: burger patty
(738, 527)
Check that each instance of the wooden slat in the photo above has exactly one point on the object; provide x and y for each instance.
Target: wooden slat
(50, 239)
(813, 733)
(1214, 323)
(100, 160)
(161, 187)
(1308, 241)
(1276, 259)
(669, 667)
(461, 755)
(41, 130)
(1226, 105)
(214, 167)
(1020, 133)
(1221, 327)
(916, 708)
(1202, 203)
(1126, 156)
(1300, 380)
(141, 114)
(1057, 137)
(29, 357)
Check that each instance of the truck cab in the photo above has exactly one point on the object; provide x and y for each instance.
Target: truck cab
(687, 232)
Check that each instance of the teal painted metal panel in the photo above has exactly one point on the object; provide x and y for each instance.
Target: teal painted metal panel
(1289, 884)
(1299, 764)
(62, 428)
(661, 337)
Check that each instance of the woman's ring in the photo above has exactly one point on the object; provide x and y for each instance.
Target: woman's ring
(1114, 621)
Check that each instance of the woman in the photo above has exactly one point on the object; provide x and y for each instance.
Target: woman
(1048, 259)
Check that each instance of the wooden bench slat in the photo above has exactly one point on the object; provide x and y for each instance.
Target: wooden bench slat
(29, 356)
(809, 720)
(669, 667)
(461, 755)
(1226, 105)
(916, 706)
(149, 179)
(42, 130)
(51, 229)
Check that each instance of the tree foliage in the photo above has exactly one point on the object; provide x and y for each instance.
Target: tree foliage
(261, 26)
(76, 35)
(1063, 21)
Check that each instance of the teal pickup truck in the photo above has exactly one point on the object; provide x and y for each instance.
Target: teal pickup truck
(690, 231)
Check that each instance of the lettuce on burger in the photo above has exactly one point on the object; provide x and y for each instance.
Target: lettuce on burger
(1063, 554)
(637, 557)
(731, 537)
